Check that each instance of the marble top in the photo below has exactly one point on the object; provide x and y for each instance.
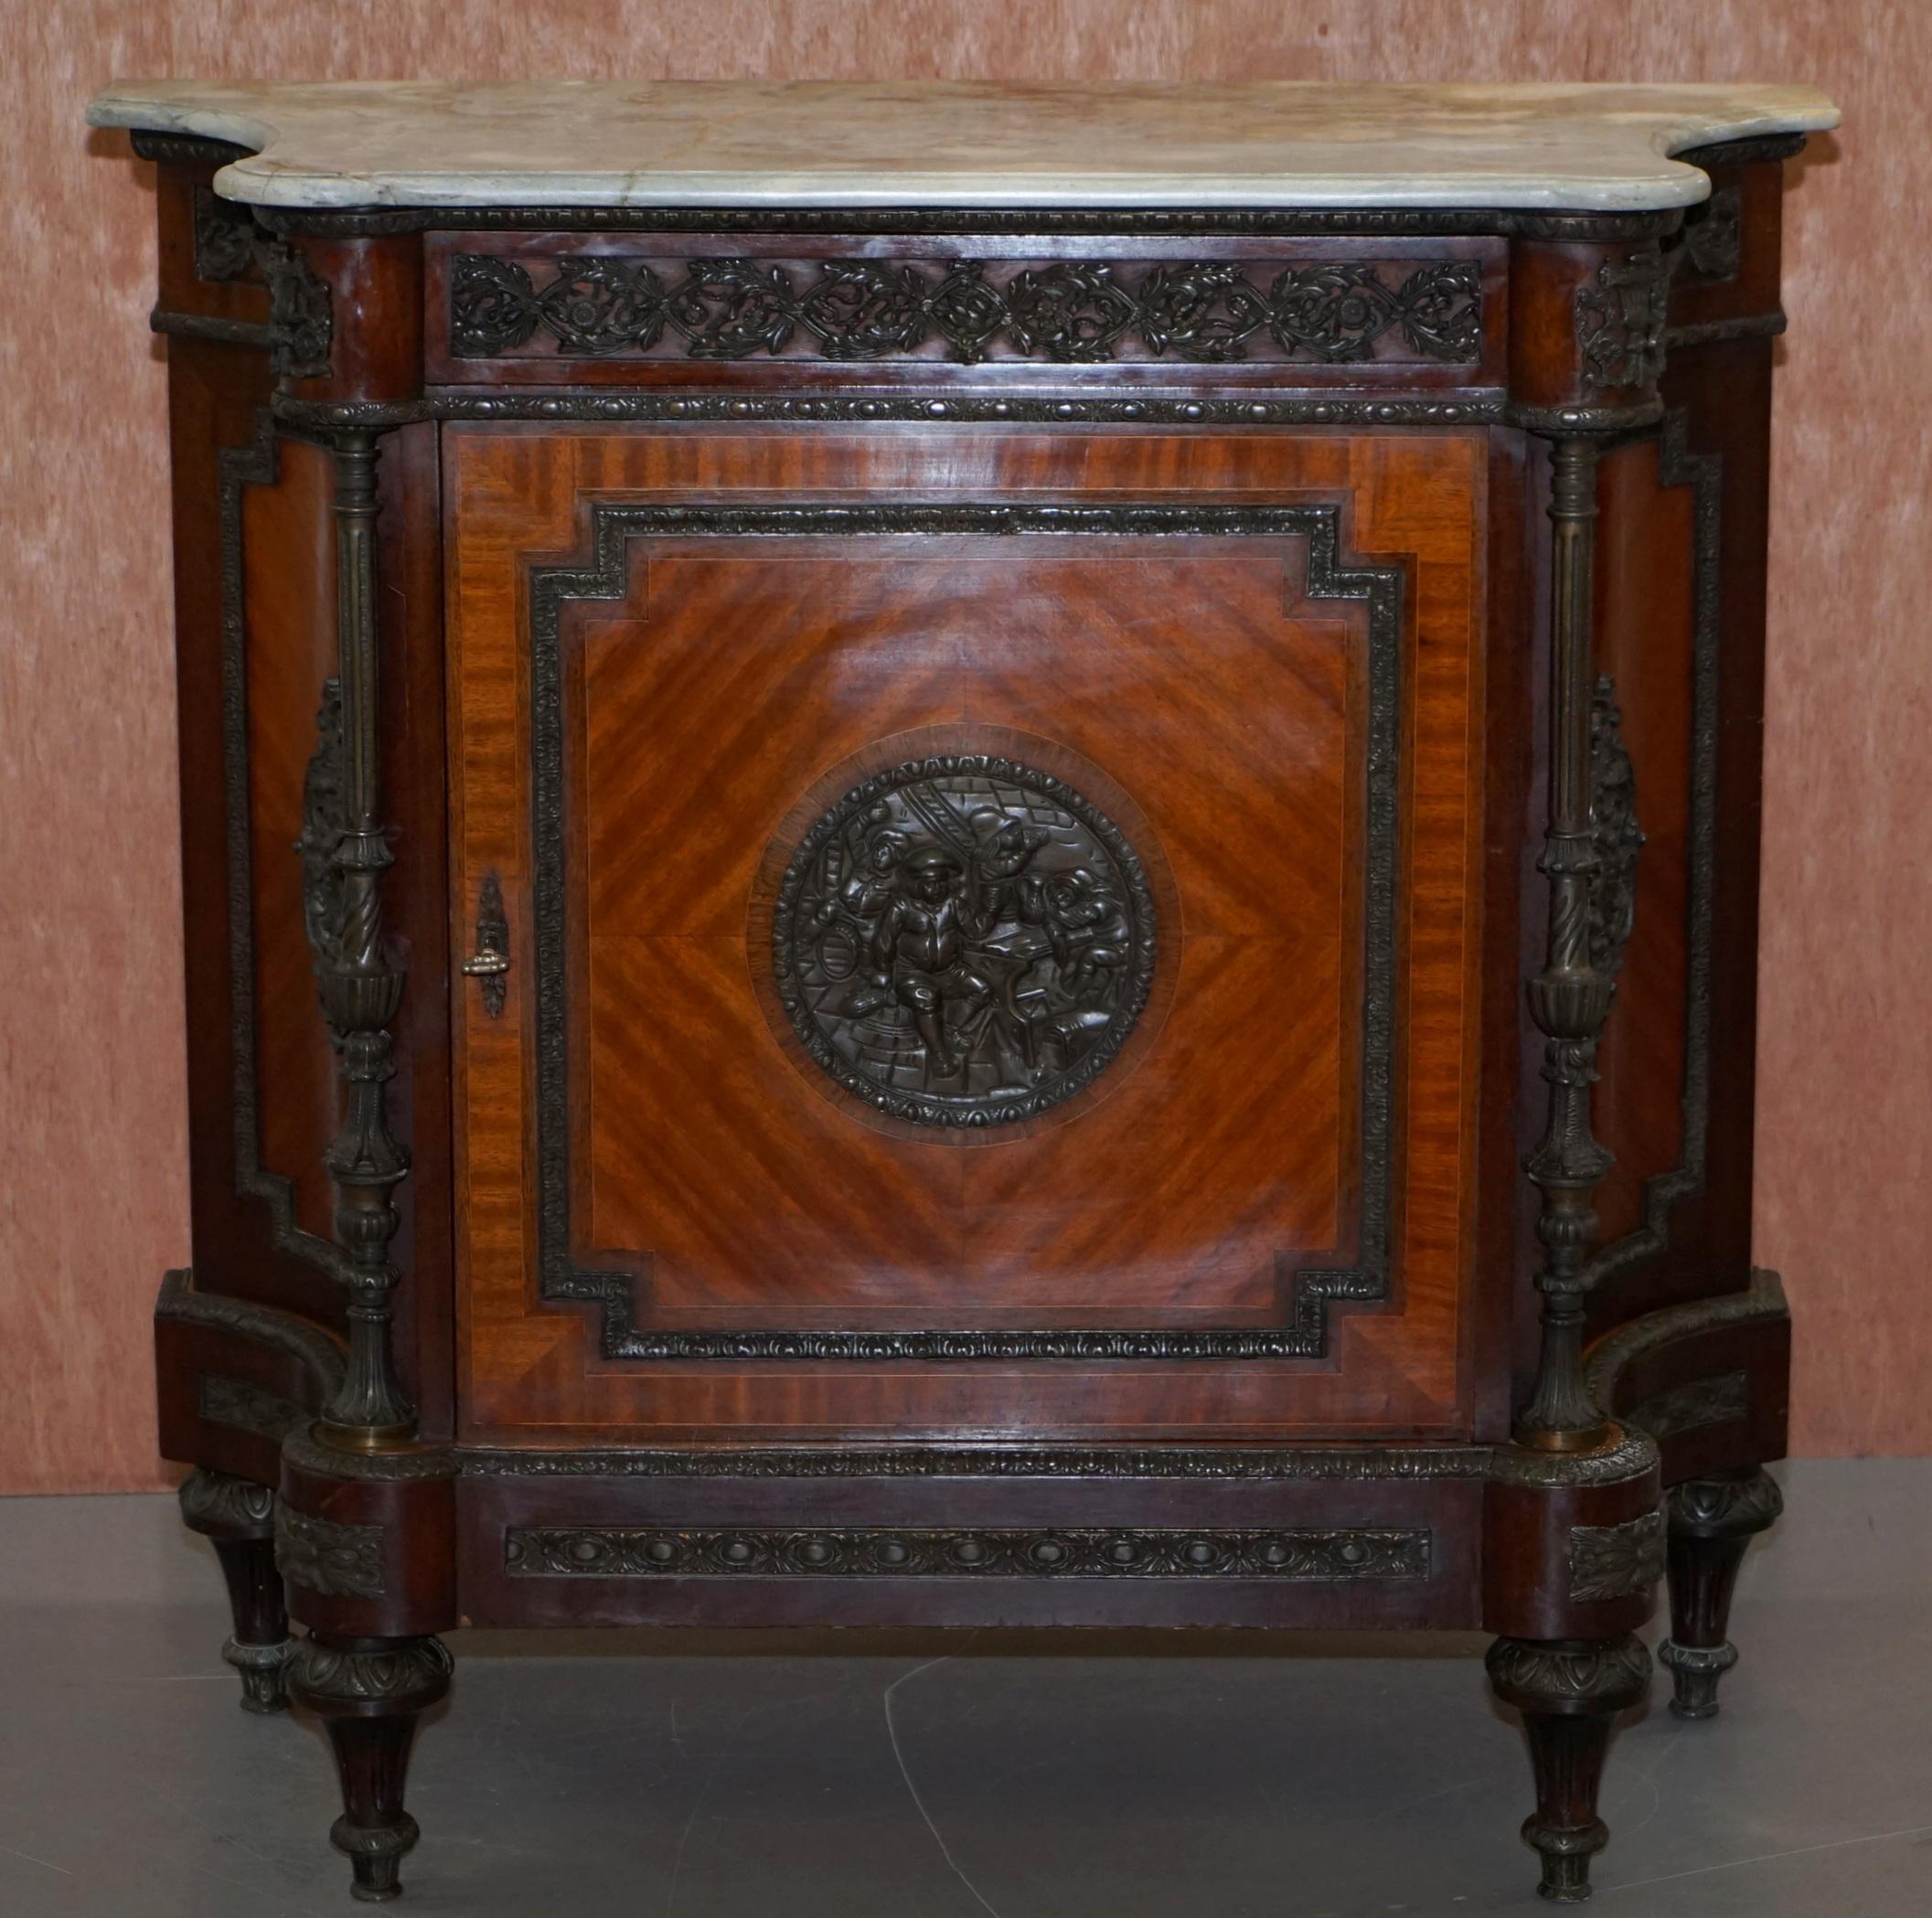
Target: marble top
(803, 145)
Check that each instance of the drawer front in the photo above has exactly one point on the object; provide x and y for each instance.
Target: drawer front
(991, 926)
(962, 315)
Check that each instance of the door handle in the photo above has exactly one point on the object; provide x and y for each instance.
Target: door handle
(491, 960)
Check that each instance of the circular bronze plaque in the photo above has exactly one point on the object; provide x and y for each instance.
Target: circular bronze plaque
(964, 941)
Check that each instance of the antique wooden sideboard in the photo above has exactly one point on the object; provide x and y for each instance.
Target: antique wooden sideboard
(966, 856)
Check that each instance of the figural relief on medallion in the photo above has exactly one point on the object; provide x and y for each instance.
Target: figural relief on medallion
(963, 941)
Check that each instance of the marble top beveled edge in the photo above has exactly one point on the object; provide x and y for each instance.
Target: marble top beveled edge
(1276, 144)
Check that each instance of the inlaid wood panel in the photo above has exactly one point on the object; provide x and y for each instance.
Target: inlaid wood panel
(289, 560)
(721, 1176)
(1646, 656)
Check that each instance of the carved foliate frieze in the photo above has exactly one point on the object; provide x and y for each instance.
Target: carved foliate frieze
(330, 1559)
(1613, 825)
(1620, 318)
(964, 941)
(906, 1553)
(1610, 1561)
(1064, 312)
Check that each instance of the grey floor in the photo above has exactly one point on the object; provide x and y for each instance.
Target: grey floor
(987, 1775)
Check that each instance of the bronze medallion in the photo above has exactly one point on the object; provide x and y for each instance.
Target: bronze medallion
(964, 941)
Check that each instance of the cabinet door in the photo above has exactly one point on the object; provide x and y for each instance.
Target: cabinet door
(992, 923)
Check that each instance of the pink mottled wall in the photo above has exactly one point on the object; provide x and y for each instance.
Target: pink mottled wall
(93, 1190)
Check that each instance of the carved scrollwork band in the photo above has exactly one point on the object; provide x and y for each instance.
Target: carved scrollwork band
(330, 1559)
(1610, 1561)
(964, 941)
(906, 1552)
(867, 309)
(615, 528)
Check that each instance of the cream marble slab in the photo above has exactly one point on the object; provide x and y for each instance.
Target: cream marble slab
(758, 144)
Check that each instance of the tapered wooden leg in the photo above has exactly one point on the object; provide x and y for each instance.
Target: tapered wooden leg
(1569, 1692)
(236, 1517)
(369, 1692)
(259, 1647)
(1712, 1521)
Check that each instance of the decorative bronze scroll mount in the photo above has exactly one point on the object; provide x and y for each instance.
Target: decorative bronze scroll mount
(964, 941)
(1620, 319)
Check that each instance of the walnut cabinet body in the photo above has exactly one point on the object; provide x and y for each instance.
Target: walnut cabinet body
(971, 918)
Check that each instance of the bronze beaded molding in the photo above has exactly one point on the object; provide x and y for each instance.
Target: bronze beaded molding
(1225, 1464)
(614, 528)
(1469, 408)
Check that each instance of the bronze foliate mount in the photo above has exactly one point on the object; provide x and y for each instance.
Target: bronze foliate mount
(1068, 312)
